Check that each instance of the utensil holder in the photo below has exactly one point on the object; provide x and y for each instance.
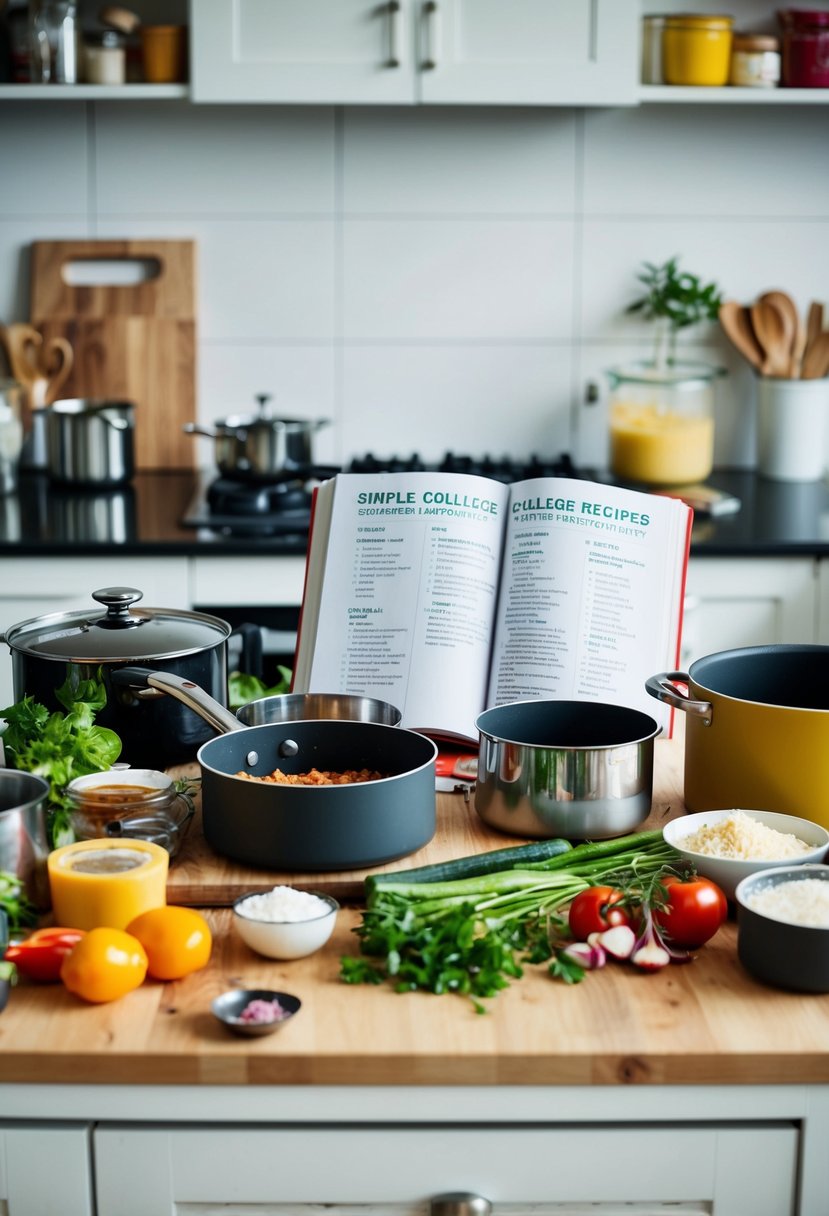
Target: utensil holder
(792, 418)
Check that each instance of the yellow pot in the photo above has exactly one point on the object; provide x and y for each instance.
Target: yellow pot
(757, 729)
(696, 50)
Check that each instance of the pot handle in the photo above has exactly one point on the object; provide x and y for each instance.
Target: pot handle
(196, 428)
(663, 688)
(142, 678)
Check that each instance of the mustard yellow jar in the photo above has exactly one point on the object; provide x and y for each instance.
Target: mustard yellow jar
(696, 49)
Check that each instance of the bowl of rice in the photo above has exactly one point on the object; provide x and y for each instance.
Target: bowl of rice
(783, 927)
(285, 922)
(727, 846)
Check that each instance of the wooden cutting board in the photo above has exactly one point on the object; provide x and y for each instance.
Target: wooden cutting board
(132, 341)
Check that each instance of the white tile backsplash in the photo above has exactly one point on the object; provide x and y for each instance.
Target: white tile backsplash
(435, 277)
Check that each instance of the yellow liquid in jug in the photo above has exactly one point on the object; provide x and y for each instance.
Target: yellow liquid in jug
(660, 447)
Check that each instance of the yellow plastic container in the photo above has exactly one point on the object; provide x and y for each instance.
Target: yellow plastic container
(106, 882)
(696, 49)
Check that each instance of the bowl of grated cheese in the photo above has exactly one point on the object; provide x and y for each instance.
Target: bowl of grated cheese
(783, 927)
(729, 845)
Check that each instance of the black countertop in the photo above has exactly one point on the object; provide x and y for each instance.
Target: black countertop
(776, 519)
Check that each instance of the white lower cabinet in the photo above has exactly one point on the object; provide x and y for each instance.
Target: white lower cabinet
(733, 602)
(44, 1170)
(402, 1170)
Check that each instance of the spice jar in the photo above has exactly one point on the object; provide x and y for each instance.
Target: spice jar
(104, 57)
(653, 28)
(129, 804)
(755, 61)
(805, 60)
(696, 49)
(662, 422)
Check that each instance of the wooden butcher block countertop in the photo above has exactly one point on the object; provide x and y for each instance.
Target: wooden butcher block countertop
(705, 1023)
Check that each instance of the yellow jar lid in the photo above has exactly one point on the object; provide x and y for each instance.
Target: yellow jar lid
(698, 21)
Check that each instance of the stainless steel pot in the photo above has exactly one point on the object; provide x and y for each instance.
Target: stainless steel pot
(756, 729)
(304, 706)
(259, 446)
(577, 769)
(90, 442)
(11, 433)
(302, 827)
(24, 844)
(155, 730)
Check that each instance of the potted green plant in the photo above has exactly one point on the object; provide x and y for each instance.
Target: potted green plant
(675, 300)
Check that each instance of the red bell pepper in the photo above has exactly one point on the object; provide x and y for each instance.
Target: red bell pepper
(41, 954)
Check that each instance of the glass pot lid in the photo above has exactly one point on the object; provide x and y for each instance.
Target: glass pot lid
(121, 634)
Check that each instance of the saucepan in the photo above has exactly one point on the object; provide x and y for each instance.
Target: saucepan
(577, 769)
(260, 446)
(757, 729)
(304, 827)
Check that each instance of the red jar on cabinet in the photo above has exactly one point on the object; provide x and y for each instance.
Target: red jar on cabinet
(805, 48)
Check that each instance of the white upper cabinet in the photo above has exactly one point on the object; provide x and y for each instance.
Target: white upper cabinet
(529, 52)
(407, 52)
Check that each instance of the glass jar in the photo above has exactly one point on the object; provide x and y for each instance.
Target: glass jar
(104, 57)
(138, 804)
(805, 61)
(755, 61)
(662, 422)
(696, 49)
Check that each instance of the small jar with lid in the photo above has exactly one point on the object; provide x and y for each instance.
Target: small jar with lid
(104, 57)
(696, 49)
(805, 59)
(755, 61)
(127, 803)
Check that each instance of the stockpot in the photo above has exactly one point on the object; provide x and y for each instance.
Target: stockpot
(302, 827)
(259, 446)
(756, 729)
(577, 769)
(90, 442)
(155, 730)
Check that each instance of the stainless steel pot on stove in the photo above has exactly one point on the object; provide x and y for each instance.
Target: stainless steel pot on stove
(90, 442)
(259, 446)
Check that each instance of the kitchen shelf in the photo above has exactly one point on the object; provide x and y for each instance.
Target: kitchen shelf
(731, 95)
(92, 92)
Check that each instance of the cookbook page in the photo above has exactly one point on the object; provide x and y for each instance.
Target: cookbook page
(591, 596)
(401, 604)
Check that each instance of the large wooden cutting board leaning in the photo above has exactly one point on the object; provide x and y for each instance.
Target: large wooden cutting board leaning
(132, 341)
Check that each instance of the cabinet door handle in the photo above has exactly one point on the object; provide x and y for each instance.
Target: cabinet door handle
(430, 36)
(459, 1203)
(392, 28)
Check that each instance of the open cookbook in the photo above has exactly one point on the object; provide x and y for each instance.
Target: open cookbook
(446, 594)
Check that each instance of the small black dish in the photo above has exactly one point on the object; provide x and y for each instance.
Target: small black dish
(229, 1006)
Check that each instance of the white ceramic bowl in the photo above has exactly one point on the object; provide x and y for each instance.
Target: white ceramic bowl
(728, 872)
(285, 939)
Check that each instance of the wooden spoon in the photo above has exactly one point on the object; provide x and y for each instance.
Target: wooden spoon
(784, 302)
(814, 325)
(736, 322)
(816, 359)
(775, 337)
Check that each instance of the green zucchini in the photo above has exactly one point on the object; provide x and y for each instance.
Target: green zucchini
(513, 858)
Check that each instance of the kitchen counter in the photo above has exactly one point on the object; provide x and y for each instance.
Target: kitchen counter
(693, 1088)
(704, 1023)
(143, 519)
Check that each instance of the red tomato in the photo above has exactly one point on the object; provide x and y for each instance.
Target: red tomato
(696, 907)
(594, 910)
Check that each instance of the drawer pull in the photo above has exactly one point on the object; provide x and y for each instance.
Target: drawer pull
(459, 1203)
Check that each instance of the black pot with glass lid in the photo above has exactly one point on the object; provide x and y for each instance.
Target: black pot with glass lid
(155, 730)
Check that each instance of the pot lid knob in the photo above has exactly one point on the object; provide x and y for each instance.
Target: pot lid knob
(118, 601)
(262, 400)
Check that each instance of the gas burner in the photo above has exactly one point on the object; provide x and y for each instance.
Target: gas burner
(503, 468)
(249, 498)
(278, 507)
